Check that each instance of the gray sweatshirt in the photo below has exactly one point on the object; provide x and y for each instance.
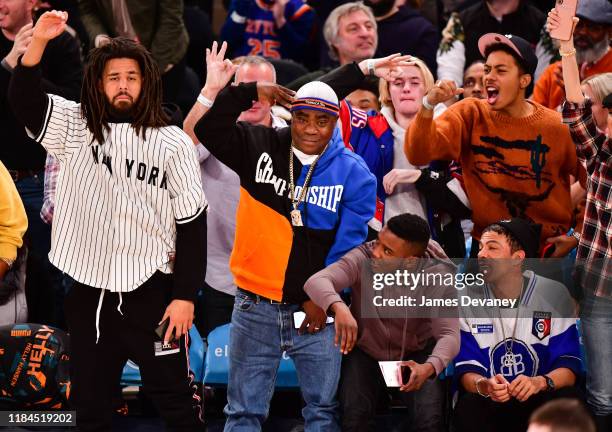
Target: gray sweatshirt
(381, 338)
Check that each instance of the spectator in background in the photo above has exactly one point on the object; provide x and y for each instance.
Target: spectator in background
(367, 95)
(430, 9)
(13, 221)
(23, 158)
(403, 30)
(593, 53)
(514, 359)
(425, 345)
(596, 88)
(459, 46)
(275, 29)
(222, 189)
(199, 27)
(594, 255)
(561, 415)
(473, 85)
(13, 224)
(350, 33)
(157, 25)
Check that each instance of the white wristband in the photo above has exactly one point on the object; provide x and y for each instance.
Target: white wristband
(426, 104)
(371, 66)
(205, 101)
(238, 19)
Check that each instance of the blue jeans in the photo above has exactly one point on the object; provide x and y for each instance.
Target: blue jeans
(596, 322)
(259, 334)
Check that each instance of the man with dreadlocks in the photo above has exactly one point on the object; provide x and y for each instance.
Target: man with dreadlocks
(129, 196)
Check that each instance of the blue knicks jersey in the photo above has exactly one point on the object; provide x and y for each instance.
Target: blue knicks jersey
(545, 337)
(262, 38)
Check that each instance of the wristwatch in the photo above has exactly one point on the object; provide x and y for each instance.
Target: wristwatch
(576, 235)
(550, 384)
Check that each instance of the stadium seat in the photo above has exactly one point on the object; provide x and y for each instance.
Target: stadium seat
(217, 362)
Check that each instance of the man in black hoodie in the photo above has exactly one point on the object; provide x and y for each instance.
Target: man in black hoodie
(404, 30)
(25, 159)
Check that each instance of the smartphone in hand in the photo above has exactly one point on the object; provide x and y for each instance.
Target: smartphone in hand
(566, 10)
(405, 373)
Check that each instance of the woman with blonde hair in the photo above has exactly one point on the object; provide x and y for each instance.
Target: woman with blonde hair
(596, 88)
(379, 139)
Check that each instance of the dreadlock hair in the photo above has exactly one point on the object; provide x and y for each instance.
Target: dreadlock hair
(147, 110)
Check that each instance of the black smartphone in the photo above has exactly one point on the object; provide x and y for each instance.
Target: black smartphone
(406, 371)
(160, 331)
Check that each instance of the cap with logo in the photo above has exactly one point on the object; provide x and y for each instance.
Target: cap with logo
(316, 96)
(522, 48)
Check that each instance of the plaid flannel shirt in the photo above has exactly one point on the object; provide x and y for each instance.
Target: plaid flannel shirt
(594, 148)
(51, 172)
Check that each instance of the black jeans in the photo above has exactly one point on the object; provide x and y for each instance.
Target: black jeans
(362, 390)
(478, 414)
(96, 367)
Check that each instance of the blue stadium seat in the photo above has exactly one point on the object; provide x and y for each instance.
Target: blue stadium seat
(217, 362)
(131, 372)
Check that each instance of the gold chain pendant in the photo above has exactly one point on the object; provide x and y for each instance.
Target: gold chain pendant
(296, 218)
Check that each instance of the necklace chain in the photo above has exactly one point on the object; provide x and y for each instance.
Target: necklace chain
(509, 348)
(295, 203)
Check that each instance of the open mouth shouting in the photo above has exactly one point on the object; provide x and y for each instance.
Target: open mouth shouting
(492, 94)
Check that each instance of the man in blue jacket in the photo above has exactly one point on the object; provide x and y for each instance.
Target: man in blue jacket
(305, 201)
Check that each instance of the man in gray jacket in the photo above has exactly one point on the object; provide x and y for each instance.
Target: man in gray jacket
(425, 345)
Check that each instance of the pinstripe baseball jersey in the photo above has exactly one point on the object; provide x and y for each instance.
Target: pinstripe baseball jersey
(117, 204)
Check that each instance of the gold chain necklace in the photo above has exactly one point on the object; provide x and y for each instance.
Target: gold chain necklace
(296, 216)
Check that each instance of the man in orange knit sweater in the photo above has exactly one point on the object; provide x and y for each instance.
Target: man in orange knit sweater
(517, 157)
(593, 54)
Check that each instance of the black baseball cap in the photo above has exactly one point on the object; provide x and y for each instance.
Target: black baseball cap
(526, 233)
(522, 48)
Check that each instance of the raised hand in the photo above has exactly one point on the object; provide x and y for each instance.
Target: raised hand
(50, 25)
(219, 71)
(278, 11)
(390, 67)
(275, 94)
(442, 91)
(553, 21)
(22, 40)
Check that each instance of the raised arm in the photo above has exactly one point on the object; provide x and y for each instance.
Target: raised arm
(428, 140)
(218, 73)
(228, 141)
(346, 79)
(26, 96)
(571, 75)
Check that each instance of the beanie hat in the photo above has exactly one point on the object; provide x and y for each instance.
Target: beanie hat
(317, 96)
